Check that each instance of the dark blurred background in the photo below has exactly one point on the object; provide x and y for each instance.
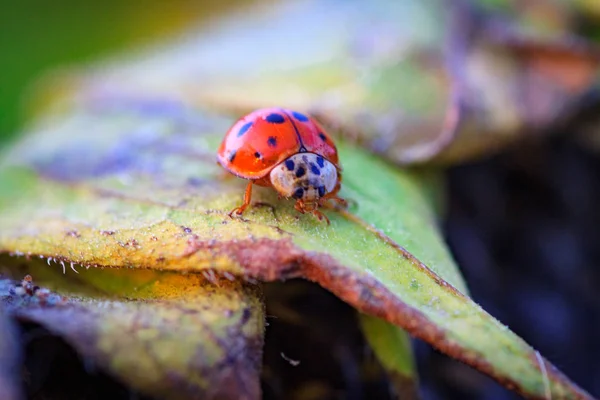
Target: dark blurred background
(522, 225)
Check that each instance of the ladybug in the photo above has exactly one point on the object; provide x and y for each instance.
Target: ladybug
(285, 150)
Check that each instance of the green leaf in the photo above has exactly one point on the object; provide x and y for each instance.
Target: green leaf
(132, 184)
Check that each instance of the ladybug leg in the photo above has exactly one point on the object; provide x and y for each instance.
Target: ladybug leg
(342, 202)
(320, 216)
(333, 196)
(247, 198)
(301, 207)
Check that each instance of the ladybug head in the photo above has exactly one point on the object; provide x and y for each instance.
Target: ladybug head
(304, 176)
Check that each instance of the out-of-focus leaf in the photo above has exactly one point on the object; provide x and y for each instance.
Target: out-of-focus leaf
(416, 81)
(543, 19)
(393, 348)
(9, 359)
(590, 9)
(174, 336)
(129, 183)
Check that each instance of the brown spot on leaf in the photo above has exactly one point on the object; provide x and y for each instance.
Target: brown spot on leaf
(133, 243)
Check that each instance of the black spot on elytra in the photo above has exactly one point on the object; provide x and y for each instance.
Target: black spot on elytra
(298, 193)
(275, 118)
(289, 164)
(314, 169)
(321, 191)
(272, 141)
(300, 117)
(320, 161)
(322, 136)
(244, 128)
(300, 172)
(257, 155)
(232, 156)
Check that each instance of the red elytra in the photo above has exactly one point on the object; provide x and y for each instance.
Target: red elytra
(285, 150)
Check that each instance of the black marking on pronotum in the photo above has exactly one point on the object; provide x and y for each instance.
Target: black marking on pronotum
(275, 118)
(322, 136)
(320, 161)
(321, 191)
(299, 116)
(298, 193)
(289, 164)
(314, 169)
(272, 141)
(302, 147)
(244, 128)
(257, 155)
(232, 156)
(300, 172)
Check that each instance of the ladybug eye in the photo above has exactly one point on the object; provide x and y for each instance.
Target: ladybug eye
(257, 155)
(298, 193)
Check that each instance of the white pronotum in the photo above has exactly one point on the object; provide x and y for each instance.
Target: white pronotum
(304, 176)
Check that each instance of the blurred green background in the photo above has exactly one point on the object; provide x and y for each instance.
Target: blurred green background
(38, 35)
